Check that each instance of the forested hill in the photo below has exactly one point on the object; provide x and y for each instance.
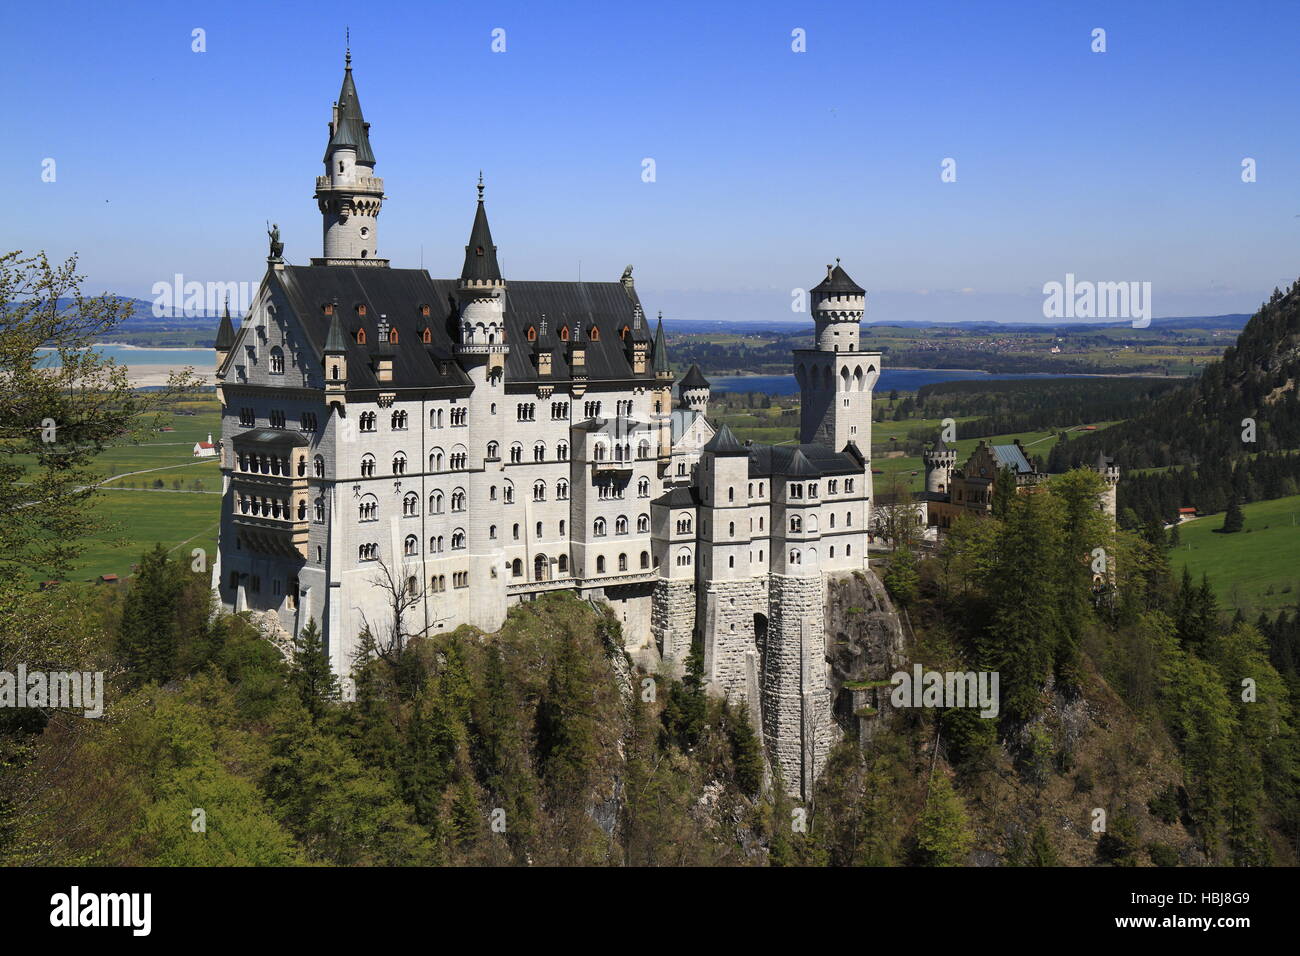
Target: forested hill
(1203, 425)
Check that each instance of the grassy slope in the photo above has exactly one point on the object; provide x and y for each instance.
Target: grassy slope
(1245, 567)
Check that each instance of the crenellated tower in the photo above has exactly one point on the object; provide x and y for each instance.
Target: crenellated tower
(939, 463)
(349, 194)
(836, 377)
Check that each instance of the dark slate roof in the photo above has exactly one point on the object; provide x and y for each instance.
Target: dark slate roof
(801, 467)
(225, 332)
(693, 378)
(607, 306)
(351, 129)
(938, 447)
(481, 254)
(683, 496)
(726, 443)
(398, 294)
(1010, 456)
(1104, 461)
(837, 280)
(766, 461)
(661, 349)
(273, 436)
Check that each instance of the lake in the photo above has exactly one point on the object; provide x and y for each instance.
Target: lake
(130, 355)
(903, 379)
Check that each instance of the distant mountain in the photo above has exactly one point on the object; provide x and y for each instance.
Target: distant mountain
(1233, 322)
(1231, 426)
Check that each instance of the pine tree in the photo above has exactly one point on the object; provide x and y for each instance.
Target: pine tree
(146, 638)
(1233, 520)
(310, 671)
(746, 750)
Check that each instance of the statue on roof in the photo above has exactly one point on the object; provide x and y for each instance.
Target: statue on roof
(277, 247)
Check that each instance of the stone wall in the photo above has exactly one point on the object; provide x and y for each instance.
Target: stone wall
(797, 724)
(672, 621)
(728, 610)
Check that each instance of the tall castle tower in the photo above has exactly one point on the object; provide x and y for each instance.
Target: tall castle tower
(349, 194)
(939, 462)
(835, 377)
(481, 348)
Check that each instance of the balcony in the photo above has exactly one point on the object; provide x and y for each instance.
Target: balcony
(359, 184)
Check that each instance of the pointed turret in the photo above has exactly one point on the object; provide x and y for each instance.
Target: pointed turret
(662, 368)
(336, 362)
(225, 336)
(349, 195)
(481, 266)
(349, 130)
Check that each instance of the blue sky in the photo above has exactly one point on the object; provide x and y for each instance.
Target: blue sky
(1123, 165)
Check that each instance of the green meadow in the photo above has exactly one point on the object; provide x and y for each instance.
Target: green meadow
(1256, 569)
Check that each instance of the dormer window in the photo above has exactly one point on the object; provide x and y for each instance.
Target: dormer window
(361, 309)
(361, 336)
(564, 333)
(329, 308)
(426, 336)
(532, 334)
(424, 310)
(392, 335)
(594, 334)
(478, 251)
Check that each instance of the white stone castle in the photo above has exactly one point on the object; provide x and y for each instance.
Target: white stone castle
(457, 446)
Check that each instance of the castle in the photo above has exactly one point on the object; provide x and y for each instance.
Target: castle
(951, 492)
(406, 454)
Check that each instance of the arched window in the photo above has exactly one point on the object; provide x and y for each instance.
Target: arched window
(368, 508)
(320, 509)
(302, 509)
(458, 540)
(796, 523)
(410, 504)
(399, 421)
(517, 568)
(399, 463)
(458, 500)
(645, 560)
(516, 453)
(539, 451)
(539, 491)
(620, 525)
(600, 564)
(367, 465)
(562, 490)
(562, 451)
(277, 360)
(508, 493)
(642, 524)
(435, 460)
(563, 564)
(643, 488)
(622, 562)
(492, 449)
(684, 524)
(598, 529)
(435, 503)
(411, 546)
(318, 466)
(643, 449)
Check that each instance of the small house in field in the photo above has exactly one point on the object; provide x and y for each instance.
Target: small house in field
(1186, 514)
(205, 449)
(108, 579)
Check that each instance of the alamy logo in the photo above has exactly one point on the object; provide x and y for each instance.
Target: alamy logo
(1085, 299)
(192, 298)
(66, 690)
(103, 909)
(923, 688)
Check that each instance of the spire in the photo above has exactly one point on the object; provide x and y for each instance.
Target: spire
(725, 442)
(693, 379)
(480, 254)
(661, 350)
(225, 331)
(837, 280)
(350, 129)
(336, 339)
